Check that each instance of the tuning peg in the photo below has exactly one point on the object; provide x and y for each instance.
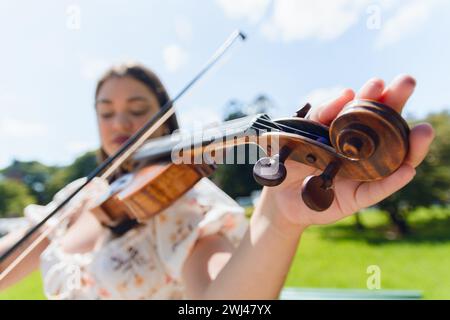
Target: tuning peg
(317, 191)
(302, 112)
(271, 171)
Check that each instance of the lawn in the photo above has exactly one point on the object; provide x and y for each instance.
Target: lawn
(337, 256)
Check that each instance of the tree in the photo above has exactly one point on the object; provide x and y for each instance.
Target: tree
(44, 181)
(237, 179)
(14, 197)
(32, 174)
(431, 185)
(81, 167)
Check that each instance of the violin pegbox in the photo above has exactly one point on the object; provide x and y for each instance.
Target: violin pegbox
(367, 141)
(270, 171)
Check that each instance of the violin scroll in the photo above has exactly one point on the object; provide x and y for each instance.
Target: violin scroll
(367, 141)
(368, 129)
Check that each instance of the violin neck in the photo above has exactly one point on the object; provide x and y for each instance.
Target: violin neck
(230, 133)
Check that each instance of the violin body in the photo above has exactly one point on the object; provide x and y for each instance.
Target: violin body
(148, 191)
(367, 141)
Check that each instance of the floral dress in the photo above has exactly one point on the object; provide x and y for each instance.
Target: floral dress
(143, 263)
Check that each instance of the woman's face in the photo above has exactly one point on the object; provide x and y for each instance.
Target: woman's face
(123, 105)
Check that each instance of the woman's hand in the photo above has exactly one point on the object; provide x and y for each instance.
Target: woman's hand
(284, 203)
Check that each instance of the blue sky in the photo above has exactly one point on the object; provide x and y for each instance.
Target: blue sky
(52, 52)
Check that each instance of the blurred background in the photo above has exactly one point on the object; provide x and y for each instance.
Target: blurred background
(52, 54)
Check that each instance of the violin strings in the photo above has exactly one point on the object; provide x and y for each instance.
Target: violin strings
(295, 130)
(273, 125)
(262, 124)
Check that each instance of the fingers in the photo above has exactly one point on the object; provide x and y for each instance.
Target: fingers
(398, 92)
(370, 193)
(395, 96)
(420, 139)
(328, 111)
(372, 89)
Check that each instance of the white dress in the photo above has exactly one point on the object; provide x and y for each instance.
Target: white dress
(145, 262)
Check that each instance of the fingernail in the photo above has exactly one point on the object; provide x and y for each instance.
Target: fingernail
(407, 79)
(410, 80)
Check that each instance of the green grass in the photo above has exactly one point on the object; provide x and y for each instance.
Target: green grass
(28, 289)
(337, 256)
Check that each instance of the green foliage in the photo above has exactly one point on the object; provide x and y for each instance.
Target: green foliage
(237, 179)
(431, 185)
(337, 256)
(14, 197)
(28, 289)
(33, 174)
(39, 181)
(81, 167)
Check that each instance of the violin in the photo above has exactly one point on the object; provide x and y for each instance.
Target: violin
(367, 141)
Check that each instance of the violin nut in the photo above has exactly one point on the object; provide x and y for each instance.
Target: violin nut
(303, 112)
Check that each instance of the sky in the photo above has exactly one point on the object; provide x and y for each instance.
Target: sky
(53, 52)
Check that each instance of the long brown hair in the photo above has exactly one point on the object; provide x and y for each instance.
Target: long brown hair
(150, 80)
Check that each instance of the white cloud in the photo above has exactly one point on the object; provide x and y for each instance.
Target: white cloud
(293, 20)
(15, 128)
(322, 95)
(174, 57)
(183, 29)
(253, 10)
(404, 22)
(320, 19)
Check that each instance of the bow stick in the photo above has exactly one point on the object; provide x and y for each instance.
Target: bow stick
(107, 167)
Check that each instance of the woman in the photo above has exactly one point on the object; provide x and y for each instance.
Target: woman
(201, 247)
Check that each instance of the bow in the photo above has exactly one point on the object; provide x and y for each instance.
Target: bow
(113, 162)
